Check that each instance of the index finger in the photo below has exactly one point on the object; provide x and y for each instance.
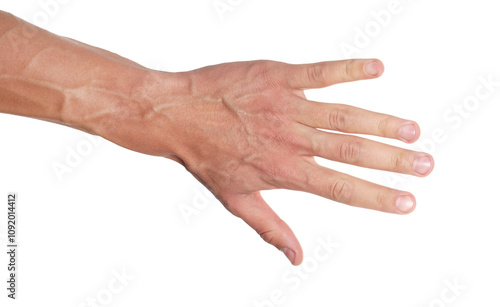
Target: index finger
(323, 74)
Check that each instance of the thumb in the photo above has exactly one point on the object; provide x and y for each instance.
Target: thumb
(254, 210)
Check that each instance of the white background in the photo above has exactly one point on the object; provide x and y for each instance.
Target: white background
(119, 210)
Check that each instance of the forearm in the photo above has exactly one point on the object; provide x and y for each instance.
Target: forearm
(49, 77)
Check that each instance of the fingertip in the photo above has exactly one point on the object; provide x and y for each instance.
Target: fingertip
(290, 254)
(293, 250)
(405, 204)
(409, 132)
(417, 132)
(423, 165)
(432, 164)
(299, 255)
(295, 257)
(373, 68)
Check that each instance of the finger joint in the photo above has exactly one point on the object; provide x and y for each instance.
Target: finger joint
(383, 202)
(348, 70)
(337, 120)
(341, 191)
(398, 161)
(316, 75)
(382, 126)
(349, 152)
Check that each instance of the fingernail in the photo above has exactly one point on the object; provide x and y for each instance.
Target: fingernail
(289, 254)
(422, 165)
(405, 203)
(407, 132)
(372, 68)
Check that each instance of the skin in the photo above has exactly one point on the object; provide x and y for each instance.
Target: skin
(239, 128)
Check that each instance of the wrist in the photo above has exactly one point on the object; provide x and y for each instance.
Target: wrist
(129, 107)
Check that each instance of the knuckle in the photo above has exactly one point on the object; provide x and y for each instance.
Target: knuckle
(297, 178)
(384, 202)
(337, 120)
(265, 72)
(348, 70)
(349, 152)
(399, 161)
(316, 74)
(269, 79)
(382, 126)
(272, 236)
(279, 174)
(317, 145)
(341, 190)
(269, 236)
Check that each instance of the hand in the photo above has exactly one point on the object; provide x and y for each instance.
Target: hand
(240, 128)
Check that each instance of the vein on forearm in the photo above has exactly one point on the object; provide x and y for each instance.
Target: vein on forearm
(27, 97)
(62, 80)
